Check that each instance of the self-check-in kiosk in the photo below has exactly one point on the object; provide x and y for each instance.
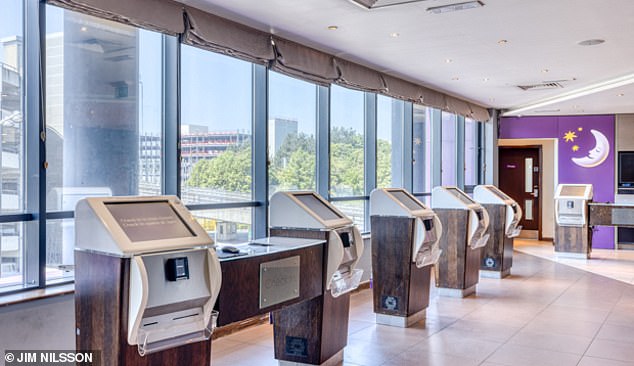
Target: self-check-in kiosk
(573, 236)
(405, 235)
(504, 217)
(315, 332)
(146, 280)
(465, 223)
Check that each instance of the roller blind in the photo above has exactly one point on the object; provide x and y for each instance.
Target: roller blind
(221, 35)
(164, 16)
(479, 113)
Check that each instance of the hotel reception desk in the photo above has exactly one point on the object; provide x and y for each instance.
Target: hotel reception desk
(611, 214)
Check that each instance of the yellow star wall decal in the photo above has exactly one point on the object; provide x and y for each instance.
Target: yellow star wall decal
(570, 136)
(580, 129)
(575, 148)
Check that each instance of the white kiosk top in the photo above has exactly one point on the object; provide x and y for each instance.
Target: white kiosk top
(487, 193)
(126, 226)
(304, 209)
(577, 191)
(451, 197)
(396, 202)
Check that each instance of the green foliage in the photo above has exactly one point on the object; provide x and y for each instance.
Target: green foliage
(229, 171)
(293, 166)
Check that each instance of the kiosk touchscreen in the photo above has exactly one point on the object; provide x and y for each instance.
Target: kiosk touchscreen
(490, 194)
(573, 236)
(399, 203)
(465, 223)
(308, 211)
(161, 265)
(304, 214)
(504, 217)
(405, 236)
(571, 204)
(453, 198)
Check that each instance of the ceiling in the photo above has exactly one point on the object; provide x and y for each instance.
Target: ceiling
(462, 53)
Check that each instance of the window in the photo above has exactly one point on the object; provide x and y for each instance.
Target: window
(389, 142)
(471, 161)
(421, 149)
(449, 126)
(292, 125)
(103, 94)
(216, 141)
(12, 235)
(347, 120)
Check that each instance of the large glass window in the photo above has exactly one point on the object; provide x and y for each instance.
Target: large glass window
(216, 109)
(11, 145)
(471, 166)
(347, 120)
(448, 161)
(421, 149)
(292, 124)
(216, 140)
(389, 142)
(103, 93)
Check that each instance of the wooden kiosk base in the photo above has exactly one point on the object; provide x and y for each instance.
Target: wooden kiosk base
(400, 289)
(101, 308)
(458, 269)
(573, 241)
(497, 255)
(312, 332)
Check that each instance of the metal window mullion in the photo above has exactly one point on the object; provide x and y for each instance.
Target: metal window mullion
(323, 142)
(460, 151)
(407, 144)
(369, 170)
(259, 162)
(170, 170)
(34, 140)
(436, 148)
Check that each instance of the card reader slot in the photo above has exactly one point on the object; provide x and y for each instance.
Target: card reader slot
(186, 316)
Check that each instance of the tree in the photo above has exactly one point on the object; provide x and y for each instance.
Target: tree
(229, 171)
(299, 173)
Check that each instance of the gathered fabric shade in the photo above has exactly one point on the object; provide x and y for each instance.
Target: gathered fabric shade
(221, 35)
(457, 106)
(432, 98)
(164, 16)
(304, 62)
(401, 89)
(479, 113)
(359, 77)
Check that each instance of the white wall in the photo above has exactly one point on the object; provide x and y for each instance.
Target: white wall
(549, 179)
(47, 324)
(624, 142)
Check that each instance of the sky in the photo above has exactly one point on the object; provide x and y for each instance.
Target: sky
(216, 89)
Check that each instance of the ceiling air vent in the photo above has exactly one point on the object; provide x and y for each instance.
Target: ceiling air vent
(541, 86)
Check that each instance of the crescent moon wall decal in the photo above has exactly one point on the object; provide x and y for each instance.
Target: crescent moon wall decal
(598, 154)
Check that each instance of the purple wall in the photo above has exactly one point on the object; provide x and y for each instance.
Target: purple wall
(580, 141)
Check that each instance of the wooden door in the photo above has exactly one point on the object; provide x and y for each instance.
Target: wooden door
(520, 178)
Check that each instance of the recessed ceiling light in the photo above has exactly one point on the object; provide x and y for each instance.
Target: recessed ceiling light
(455, 78)
(394, 34)
(448, 60)
(333, 27)
(591, 42)
(485, 79)
(83, 29)
(545, 70)
(621, 95)
(503, 42)
(455, 7)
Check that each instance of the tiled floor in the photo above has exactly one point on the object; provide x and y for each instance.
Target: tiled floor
(545, 313)
(617, 264)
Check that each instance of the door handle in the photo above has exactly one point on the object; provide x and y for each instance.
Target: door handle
(535, 192)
